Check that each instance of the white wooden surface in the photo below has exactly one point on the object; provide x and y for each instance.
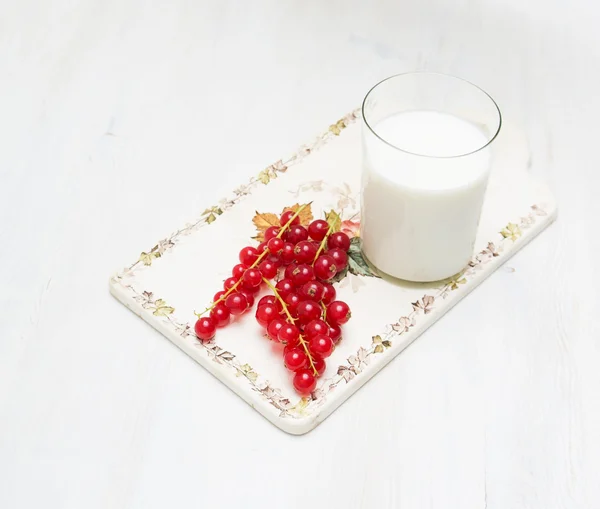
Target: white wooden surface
(117, 110)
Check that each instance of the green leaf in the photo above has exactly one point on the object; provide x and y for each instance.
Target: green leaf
(333, 220)
(356, 263)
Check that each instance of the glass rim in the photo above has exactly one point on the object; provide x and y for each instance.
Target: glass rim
(414, 73)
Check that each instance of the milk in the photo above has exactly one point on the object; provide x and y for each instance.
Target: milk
(422, 193)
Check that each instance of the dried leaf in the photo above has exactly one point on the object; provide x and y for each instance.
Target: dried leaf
(403, 325)
(378, 349)
(337, 127)
(333, 220)
(454, 284)
(247, 371)
(161, 308)
(346, 373)
(356, 263)
(279, 166)
(386, 343)
(228, 356)
(376, 339)
(511, 231)
(163, 245)
(266, 175)
(262, 222)
(241, 190)
(362, 355)
(305, 216)
(146, 258)
(425, 304)
(212, 211)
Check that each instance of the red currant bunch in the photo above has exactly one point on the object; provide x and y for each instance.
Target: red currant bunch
(302, 312)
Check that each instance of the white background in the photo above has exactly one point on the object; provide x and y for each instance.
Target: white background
(122, 119)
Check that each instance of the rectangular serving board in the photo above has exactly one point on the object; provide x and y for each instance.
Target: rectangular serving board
(164, 287)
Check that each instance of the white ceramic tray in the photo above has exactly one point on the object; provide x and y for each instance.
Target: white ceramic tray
(165, 287)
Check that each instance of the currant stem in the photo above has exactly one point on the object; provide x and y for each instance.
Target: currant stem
(292, 320)
(323, 242)
(255, 264)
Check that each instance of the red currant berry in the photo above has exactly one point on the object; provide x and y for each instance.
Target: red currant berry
(340, 240)
(308, 311)
(261, 248)
(246, 288)
(305, 252)
(321, 346)
(238, 270)
(313, 290)
(237, 303)
(318, 229)
(338, 312)
(284, 287)
(275, 245)
(328, 293)
(302, 274)
(296, 233)
(316, 327)
(286, 216)
(287, 253)
(289, 270)
(220, 314)
(305, 382)
(266, 313)
(335, 332)
(252, 278)
(271, 232)
(275, 260)
(295, 359)
(325, 267)
(218, 295)
(270, 299)
(268, 269)
(205, 328)
(248, 255)
(249, 298)
(340, 258)
(291, 301)
(289, 334)
(319, 365)
(229, 283)
(274, 328)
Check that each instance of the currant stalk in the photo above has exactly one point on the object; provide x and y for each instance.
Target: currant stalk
(293, 320)
(323, 242)
(256, 263)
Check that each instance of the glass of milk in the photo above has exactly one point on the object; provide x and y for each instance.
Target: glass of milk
(426, 161)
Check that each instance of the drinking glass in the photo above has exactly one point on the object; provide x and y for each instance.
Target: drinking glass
(427, 141)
